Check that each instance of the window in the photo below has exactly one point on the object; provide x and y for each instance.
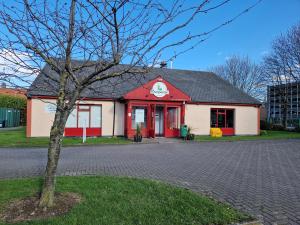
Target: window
(139, 117)
(83, 119)
(173, 118)
(72, 119)
(222, 118)
(230, 118)
(88, 116)
(96, 116)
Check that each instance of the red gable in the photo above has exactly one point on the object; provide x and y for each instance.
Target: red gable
(157, 89)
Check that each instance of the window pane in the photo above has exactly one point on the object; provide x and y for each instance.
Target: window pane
(72, 119)
(230, 118)
(213, 118)
(83, 119)
(173, 118)
(221, 120)
(84, 107)
(139, 117)
(95, 116)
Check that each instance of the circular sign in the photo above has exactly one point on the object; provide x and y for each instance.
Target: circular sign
(159, 89)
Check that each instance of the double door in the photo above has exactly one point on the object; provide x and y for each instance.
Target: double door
(165, 121)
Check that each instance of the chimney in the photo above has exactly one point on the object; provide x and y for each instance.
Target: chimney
(163, 64)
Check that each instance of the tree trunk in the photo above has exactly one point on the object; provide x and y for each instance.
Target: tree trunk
(56, 135)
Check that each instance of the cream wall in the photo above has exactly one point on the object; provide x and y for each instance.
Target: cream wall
(42, 118)
(198, 118)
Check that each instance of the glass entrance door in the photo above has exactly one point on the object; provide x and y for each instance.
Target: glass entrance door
(159, 121)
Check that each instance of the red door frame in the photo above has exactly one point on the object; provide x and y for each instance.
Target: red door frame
(168, 131)
(90, 131)
(227, 131)
(149, 131)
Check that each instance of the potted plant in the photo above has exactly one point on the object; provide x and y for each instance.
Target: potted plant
(138, 134)
(190, 136)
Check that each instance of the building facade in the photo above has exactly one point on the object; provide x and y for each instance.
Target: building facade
(159, 103)
(281, 96)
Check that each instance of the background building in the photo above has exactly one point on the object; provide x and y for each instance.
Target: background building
(281, 97)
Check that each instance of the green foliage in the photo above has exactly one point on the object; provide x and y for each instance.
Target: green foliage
(7, 101)
(297, 129)
(190, 135)
(264, 132)
(116, 200)
(265, 125)
(277, 127)
(138, 130)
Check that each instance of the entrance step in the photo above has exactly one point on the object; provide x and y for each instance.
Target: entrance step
(161, 140)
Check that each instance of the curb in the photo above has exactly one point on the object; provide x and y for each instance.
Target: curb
(255, 222)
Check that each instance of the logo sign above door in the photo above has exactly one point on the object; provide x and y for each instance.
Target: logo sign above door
(159, 90)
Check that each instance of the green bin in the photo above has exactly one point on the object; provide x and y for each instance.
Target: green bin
(183, 131)
(9, 117)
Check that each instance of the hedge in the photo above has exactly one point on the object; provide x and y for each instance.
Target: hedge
(7, 101)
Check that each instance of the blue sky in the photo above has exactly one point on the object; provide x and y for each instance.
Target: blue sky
(250, 34)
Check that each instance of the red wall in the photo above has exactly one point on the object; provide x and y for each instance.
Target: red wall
(143, 92)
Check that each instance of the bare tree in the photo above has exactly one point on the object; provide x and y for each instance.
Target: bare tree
(102, 34)
(282, 67)
(244, 74)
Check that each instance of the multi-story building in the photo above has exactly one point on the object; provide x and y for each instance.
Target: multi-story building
(281, 95)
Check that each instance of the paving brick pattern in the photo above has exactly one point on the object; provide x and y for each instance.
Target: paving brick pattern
(261, 177)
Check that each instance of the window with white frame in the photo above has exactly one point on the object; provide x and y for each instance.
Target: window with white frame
(89, 116)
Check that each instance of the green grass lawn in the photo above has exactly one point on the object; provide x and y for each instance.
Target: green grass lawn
(115, 200)
(17, 138)
(265, 135)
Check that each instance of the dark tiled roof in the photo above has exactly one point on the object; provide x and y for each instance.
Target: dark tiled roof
(200, 86)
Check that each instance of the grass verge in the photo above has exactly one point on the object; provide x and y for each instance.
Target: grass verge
(265, 135)
(115, 200)
(17, 138)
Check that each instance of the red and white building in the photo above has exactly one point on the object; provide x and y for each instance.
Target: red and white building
(159, 102)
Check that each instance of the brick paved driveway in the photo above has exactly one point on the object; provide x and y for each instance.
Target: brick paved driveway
(261, 178)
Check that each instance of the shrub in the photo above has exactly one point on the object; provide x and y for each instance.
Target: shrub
(263, 132)
(277, 127)
(265, 125)
(297, 128)
(190, 135)
(7, 101)
(138, 134)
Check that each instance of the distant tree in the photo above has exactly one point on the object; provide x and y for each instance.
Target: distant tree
(244, 74)
(282, 66)
(102, 34)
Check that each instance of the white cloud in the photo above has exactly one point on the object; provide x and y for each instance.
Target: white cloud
(16, 68)
(283, 79)
(264, 52)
